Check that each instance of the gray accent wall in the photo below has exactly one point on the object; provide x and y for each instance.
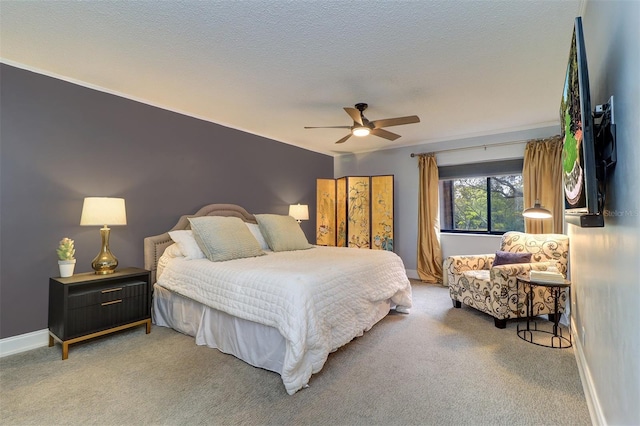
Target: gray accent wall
(61, 142)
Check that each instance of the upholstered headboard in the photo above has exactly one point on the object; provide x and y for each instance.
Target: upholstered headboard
(156, 245)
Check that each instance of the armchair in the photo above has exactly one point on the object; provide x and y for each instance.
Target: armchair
(474, 281)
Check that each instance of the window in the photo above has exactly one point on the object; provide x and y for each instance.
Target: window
(490, 204)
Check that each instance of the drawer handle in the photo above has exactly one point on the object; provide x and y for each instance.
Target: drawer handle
(111, 289)
(112, 302)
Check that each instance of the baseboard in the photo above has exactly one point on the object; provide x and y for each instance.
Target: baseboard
(24, 342)
(413, 274)
(595, 410)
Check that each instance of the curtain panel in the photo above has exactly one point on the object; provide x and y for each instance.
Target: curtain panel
(542, 180)
(429, 250)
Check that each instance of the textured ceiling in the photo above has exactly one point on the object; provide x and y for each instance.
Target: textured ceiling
(466, 68)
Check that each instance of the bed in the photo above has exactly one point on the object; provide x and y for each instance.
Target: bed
(282, 310)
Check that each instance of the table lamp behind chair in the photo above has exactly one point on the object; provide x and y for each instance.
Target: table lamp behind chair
(103, 211)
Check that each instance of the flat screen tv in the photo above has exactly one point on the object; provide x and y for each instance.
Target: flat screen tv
(582, 197)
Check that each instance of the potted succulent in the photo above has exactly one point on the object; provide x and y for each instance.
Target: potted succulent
(67, 261)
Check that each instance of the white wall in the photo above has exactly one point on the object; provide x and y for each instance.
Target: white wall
(405, 168)
(468, 244)
(605, 261)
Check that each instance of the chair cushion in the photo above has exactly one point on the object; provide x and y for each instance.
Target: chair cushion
(482, 274)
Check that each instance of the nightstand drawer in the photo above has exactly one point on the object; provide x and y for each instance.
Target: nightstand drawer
(105, 315)
(100, 294)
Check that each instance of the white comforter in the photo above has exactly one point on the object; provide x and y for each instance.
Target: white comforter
(318, 299)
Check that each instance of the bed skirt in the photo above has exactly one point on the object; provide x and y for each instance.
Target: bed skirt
(256, 344)
(219, 330)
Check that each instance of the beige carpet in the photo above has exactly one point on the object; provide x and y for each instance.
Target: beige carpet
(435, 366)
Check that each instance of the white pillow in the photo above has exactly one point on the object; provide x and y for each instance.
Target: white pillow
(173, 251)
(224, 238)
(282, 233)
(187, 244)
(255, 230)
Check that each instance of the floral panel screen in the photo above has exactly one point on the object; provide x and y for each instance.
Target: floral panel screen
(355, 211)
(358, 211)
(341, 212)
(326, 212)
(382, 212)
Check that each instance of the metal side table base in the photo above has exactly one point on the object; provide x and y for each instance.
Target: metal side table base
(558, 340)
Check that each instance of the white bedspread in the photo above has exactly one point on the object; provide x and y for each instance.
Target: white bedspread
(318, 299)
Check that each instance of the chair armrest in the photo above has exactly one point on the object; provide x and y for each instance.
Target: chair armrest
(456, 265)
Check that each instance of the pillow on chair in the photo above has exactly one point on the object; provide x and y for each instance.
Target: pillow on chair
(507, 258)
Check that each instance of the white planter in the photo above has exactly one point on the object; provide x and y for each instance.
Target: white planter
(66, 267)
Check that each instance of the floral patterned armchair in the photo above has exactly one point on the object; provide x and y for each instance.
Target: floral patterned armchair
(474, 281)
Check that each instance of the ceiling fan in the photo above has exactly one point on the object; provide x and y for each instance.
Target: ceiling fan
(363, 127)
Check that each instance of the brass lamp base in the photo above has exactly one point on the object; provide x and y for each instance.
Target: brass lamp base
(105, 262)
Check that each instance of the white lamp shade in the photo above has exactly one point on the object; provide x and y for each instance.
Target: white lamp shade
(537, 212)
(299, 211)
(98, 211)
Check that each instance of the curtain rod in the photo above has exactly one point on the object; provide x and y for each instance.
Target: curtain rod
(471, 147)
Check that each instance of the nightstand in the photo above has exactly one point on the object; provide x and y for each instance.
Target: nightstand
(87, 305)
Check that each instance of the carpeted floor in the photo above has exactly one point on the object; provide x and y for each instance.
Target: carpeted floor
(435, 366)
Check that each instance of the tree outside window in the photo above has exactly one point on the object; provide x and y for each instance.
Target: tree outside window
(491, 204)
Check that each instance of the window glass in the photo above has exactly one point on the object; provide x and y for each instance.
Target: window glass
(506, 203)
(490, 204)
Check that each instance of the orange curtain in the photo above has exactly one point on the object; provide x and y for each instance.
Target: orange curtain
(542, 180)
(429, 251)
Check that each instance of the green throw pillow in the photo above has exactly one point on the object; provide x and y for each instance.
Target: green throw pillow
(224, 238)
(282, 233)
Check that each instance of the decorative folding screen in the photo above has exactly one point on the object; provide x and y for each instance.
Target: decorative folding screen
(341, 212)
(358, 212)
(382, 212)
(355, 211)
(326, 213)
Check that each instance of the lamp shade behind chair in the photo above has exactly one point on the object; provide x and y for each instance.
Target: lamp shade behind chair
(537, 212)
(104, 211)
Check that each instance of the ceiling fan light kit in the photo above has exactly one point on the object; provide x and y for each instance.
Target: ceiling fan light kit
(360, 131)
(363, 127)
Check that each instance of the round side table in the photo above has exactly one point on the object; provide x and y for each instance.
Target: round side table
(558, 340)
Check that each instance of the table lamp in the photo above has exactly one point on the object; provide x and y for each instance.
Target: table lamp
(103, 211)
(299, 212)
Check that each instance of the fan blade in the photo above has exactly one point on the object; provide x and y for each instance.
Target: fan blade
(355, 115)
(343, 140)
(384, 134)
(387, 122)
(329, 127)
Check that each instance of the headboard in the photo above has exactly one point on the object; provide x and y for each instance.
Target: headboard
(156, 245)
